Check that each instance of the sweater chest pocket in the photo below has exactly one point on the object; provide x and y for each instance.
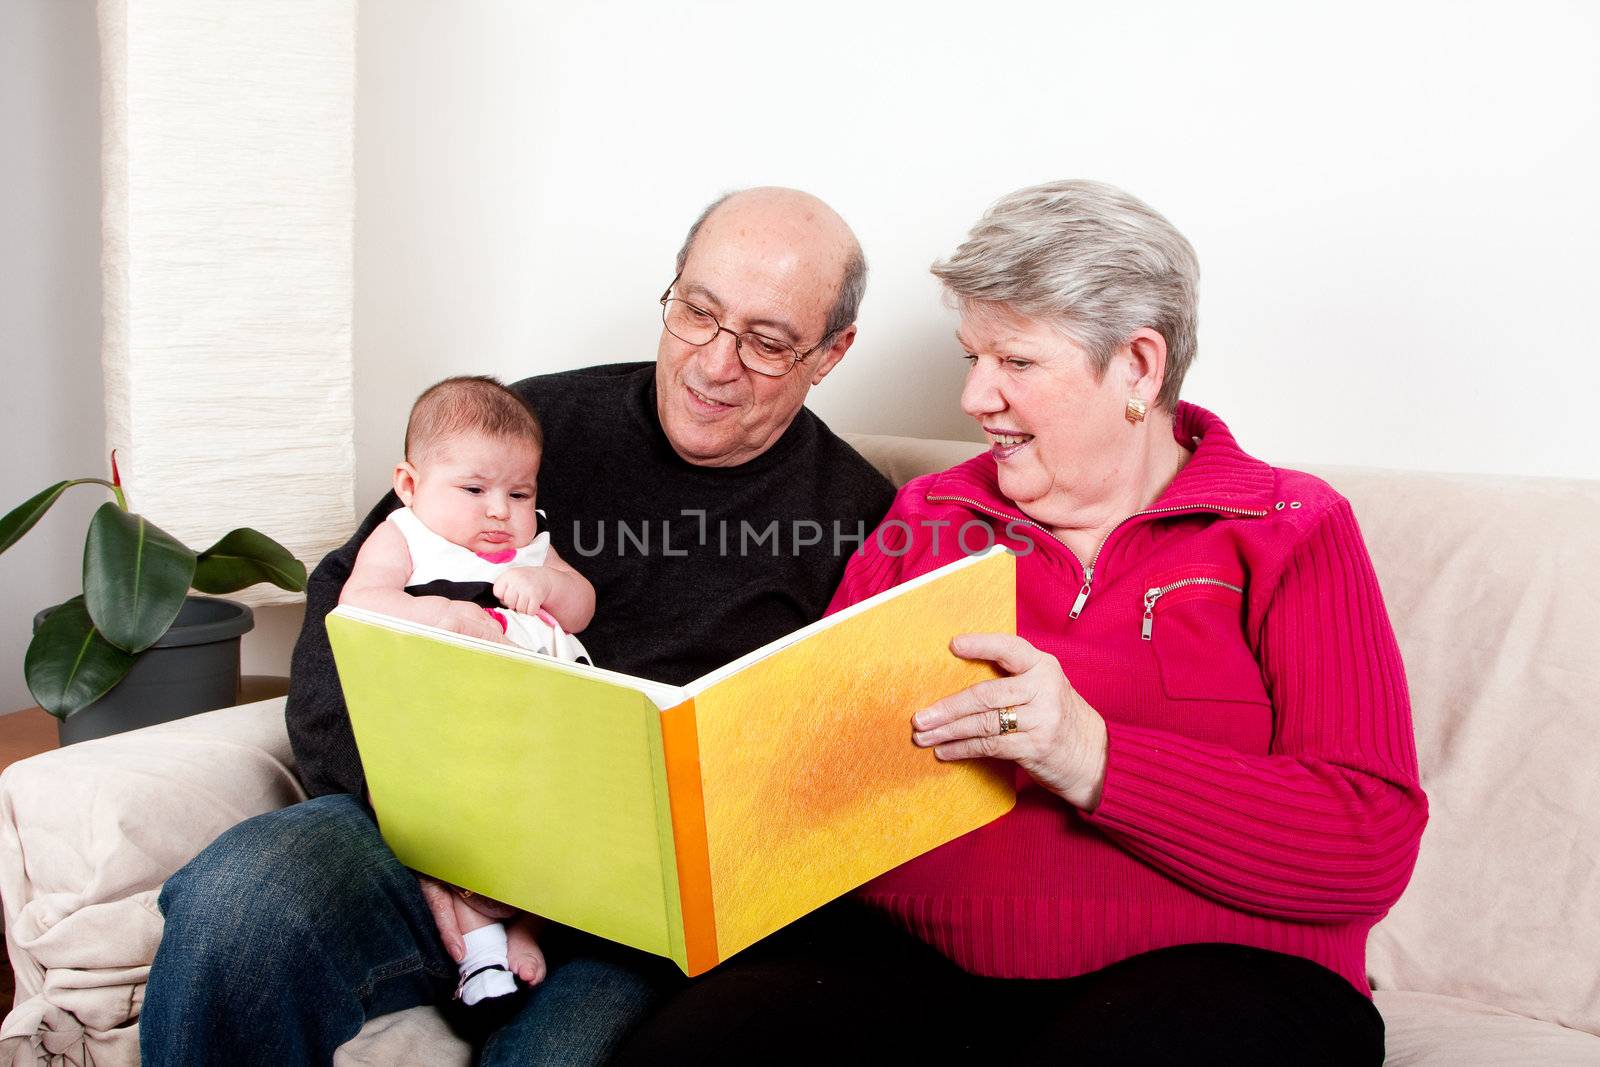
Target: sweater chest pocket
(1193, 621)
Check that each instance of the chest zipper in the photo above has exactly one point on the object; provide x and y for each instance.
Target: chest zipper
(1088, 569)
(1152, 595)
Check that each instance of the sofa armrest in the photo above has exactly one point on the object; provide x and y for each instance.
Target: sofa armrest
(89, 833)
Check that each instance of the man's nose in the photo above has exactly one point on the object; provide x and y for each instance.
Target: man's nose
(719, 357)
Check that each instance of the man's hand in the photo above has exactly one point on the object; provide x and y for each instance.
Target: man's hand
(525, 589)
(441, 902)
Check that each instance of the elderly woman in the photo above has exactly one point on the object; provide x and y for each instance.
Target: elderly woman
(1217, 788)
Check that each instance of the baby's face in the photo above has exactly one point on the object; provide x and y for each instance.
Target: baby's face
(476, 491)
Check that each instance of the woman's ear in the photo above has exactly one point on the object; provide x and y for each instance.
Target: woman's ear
(1147, 364)
(405, 482)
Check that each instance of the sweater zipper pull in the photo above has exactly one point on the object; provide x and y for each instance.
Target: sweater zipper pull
(1083, 596)
(1150, 597)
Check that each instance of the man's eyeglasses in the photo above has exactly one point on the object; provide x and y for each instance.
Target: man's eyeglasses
(696, 326)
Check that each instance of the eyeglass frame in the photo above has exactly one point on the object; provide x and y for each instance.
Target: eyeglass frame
(738, 344)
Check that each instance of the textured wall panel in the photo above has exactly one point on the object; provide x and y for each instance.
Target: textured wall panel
(229, 190)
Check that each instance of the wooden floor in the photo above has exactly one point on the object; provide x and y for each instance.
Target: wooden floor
(26, 733)
(22, 734)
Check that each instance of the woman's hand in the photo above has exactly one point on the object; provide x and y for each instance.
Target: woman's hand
(1059, 739)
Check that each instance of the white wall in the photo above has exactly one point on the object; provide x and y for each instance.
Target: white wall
(50, 397)
(1393, 204)
(52, 416)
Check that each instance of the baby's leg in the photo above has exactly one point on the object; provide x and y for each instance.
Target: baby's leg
(522, 946)
(468, 918)
(485, 970)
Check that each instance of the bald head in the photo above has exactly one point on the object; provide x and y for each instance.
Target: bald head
(797, 226)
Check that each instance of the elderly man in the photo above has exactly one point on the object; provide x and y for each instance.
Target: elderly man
(712, 512)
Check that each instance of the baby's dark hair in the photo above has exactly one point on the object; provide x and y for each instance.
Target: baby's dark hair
(466, 404)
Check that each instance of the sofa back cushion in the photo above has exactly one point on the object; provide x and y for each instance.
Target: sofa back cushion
(1493, 586)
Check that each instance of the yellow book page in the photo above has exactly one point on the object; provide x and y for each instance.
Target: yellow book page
(514, 778)
(811, 783)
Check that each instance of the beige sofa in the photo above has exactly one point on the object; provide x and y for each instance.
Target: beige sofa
(1492, 956)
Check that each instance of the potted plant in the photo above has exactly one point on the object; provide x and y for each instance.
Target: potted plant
(135, 647)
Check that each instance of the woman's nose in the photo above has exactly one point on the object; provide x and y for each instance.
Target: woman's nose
(979, 394)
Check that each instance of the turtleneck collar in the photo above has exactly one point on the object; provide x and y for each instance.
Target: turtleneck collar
(1218, 476)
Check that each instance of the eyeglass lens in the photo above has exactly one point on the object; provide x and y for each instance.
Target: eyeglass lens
(762, 354)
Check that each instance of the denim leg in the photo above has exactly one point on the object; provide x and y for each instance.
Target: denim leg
(283, 937)
(595, 994)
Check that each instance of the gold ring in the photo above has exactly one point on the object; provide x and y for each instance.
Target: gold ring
(1008, 720)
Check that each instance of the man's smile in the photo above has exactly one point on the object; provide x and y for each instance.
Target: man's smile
(706, 404)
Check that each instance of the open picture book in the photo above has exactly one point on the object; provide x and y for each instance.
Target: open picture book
(687, 821)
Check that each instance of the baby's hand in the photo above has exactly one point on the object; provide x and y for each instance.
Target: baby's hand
(522, 949)
(465, 617)
(524, 589)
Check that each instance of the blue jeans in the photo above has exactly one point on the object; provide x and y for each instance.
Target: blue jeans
(294, 928)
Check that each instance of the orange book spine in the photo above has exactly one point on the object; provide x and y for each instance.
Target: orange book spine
(681, 745)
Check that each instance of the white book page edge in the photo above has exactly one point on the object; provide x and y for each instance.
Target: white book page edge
(701, 684)
(663, 696)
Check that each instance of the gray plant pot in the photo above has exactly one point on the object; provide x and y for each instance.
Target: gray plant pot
(193, 668)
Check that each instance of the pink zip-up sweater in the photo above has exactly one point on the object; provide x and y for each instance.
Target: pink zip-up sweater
(1261, 785)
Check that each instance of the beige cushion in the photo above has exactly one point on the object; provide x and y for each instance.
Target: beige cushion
(416, 1037)
(904, 458)
(88, 834)
(1430, 1030)
(1494, 588)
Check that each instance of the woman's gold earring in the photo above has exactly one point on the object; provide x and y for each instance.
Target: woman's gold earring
(1135, 411)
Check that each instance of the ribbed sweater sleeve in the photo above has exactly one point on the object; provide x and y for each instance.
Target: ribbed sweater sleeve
(1325, 827)
(880, 563)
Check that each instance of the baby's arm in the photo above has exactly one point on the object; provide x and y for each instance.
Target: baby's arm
(555, 587)
(378, 583)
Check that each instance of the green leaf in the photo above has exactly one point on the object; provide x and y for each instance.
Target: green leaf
(244, 557)
(69, 665)
(30, 511)
(135, 577)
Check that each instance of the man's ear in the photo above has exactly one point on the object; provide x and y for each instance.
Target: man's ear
(405, 482)
(834, 354)
(1146, 368)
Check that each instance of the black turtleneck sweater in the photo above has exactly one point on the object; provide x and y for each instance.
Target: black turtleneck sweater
(692, 566)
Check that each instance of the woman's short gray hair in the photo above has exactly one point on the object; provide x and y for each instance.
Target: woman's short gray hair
(1090, 259)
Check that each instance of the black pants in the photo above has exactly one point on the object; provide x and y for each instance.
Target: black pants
(845, 986)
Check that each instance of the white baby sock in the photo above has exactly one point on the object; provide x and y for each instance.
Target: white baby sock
(485, 969)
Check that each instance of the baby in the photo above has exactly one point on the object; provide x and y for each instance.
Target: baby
(465, 554)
